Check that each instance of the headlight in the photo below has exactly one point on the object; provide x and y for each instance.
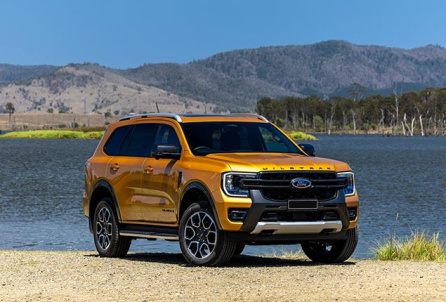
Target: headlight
(351, 189)
(231, 182)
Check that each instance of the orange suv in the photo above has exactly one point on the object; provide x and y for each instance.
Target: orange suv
(216, 183)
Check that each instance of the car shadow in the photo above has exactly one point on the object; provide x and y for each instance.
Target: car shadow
(239, 261)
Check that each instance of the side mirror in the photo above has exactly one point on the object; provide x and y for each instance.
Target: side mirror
(166, 151)
(309, 149)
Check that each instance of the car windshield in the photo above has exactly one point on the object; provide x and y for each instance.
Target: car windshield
(236, 137)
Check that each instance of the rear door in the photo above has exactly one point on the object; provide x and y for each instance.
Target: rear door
(126, 168)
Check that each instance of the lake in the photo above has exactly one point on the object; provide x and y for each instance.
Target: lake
(401, 183)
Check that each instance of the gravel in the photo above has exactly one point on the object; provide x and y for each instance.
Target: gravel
(83, 276)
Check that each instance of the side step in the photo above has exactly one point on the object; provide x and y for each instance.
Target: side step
(149, 235)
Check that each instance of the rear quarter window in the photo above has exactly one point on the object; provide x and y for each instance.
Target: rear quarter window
(114, 143)
(142, 139)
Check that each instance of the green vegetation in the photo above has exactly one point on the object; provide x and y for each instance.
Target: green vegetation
(409, 113)
(419, 247)
(54, 134)
(15, 73)
(297, 135)
(10, 108)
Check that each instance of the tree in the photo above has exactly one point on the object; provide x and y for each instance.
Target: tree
(10, 108)
(357, 91)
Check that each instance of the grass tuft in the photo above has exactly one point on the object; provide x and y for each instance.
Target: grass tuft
(297, 135)
(53, 134)
(419, 246)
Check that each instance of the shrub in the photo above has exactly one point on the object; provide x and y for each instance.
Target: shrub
(297, 135)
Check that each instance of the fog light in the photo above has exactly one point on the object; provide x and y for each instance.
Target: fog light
(352, 213)
(237, 215)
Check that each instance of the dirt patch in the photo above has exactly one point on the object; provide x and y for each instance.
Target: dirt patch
(83, 276)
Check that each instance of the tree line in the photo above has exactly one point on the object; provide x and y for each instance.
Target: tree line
(410, 113)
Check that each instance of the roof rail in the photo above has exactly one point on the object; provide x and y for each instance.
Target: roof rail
(252, 115)
(145, 115)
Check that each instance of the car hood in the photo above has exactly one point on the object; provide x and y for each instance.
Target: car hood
(254, 162)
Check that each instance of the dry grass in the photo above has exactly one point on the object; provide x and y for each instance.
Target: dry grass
(288, 254)
(420, 246)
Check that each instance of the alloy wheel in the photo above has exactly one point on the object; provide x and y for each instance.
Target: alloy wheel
(200, 235)
(104, 227)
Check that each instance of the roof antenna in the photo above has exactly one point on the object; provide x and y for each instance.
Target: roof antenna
(157, 109)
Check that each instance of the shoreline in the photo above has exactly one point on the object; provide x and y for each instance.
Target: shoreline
(84, 276)
(96, 135)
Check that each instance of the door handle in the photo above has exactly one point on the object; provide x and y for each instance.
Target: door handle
(149, 169)
(115, 167)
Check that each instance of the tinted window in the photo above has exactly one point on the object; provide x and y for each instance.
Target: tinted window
(219, 137)
(114, 143)
(141, 141)
(273, 142)
(168, 136)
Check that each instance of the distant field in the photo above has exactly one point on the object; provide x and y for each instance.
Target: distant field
(53, 134)
(51, 121)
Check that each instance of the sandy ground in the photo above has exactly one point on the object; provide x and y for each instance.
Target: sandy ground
(83, 276)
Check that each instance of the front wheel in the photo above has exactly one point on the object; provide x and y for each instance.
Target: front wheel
(106, 232)
(332, 252)
(201, 242)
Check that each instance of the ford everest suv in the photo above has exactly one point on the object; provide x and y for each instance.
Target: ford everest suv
(216, 183)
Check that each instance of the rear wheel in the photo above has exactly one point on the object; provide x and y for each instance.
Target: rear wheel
(334, 251)
(107, 240)
(201, 242)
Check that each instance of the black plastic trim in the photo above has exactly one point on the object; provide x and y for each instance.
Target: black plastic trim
(205, 191)
(108, 186)
(260, 205)
(149, 229)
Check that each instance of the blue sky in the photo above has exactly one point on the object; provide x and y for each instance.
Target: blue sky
(124, 34)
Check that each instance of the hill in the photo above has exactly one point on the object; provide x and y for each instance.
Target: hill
(13, 73)
(241, 77)
(233, 80)
(90, 88)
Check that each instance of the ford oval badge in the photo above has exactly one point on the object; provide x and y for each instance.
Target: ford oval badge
(300, 183)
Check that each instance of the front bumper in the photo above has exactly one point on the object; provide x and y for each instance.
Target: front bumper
(300, 227)
(328, 222)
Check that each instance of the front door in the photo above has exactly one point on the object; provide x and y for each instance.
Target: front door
(160, 181)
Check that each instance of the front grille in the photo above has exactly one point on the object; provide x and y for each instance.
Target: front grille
(277, 186)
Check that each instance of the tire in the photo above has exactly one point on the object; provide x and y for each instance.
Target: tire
(107, 240)
(239, 249)
(201, 242)
(332, 252)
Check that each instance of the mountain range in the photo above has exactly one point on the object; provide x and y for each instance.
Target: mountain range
(231, 81)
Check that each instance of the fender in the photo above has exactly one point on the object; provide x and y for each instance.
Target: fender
(105, 184)
(205, 191)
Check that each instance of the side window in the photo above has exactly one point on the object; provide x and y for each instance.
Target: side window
(273, 142)
(168, 136)
(142, 140)
(115, 142)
